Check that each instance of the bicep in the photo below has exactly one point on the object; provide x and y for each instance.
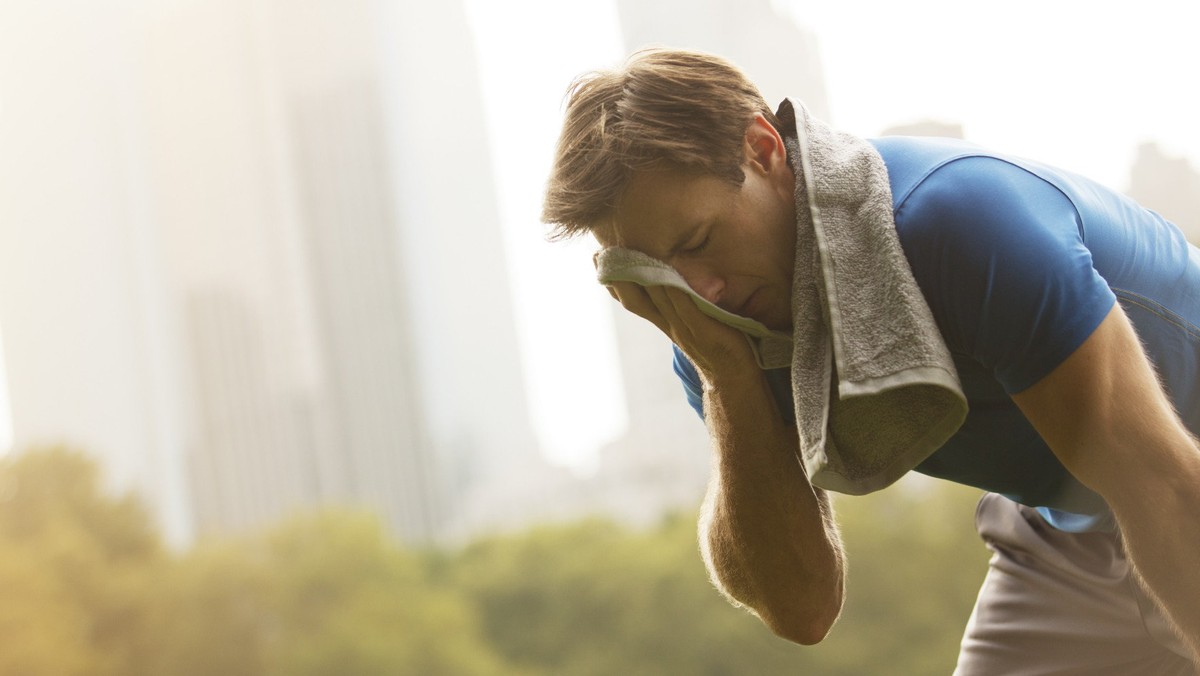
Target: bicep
(1103, 413)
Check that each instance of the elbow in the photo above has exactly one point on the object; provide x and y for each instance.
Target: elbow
(802, 623)
(805, 631)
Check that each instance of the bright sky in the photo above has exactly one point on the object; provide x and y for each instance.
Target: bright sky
(529, 51)
(1073, 83)
(6, 434)
(1070, 82)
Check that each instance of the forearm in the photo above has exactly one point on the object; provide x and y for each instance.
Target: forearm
(768, 537)
(1105, 416)
(1157, 514)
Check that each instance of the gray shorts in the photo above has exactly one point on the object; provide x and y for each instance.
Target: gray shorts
(1062, 603)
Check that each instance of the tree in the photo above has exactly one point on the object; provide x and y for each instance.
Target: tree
(76, 555)
(42, 630)
(593, 598)
(322, 594)
(351, 602)
(213, 612)
(915, 564)
(87, 588)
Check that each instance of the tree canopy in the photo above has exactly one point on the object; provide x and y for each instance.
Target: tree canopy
(89, 588)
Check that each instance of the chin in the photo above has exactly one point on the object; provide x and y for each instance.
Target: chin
(778, 322)
(774, 324)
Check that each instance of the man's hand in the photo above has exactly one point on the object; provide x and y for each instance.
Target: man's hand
(716, 350)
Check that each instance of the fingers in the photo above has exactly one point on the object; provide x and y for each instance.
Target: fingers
(668, 307)
(683, 306)
(680, 308)
(672, 310)
(662, 304)
(709, 344)
(634, 298)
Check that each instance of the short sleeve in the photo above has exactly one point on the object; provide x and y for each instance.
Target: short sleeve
(1000, 256)
(692, 388)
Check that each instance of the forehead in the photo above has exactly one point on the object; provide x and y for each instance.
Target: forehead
(660, 206)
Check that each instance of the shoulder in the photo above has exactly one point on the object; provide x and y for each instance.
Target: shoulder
(949, 180)
(999, 255)
(977, 211)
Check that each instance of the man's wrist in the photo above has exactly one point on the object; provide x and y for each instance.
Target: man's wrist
(733, 364)
(734, 386)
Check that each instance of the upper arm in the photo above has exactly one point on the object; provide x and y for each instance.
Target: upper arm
(1104, 414)
(1001, 256)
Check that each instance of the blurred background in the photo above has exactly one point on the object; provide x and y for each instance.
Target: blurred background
(293, 383)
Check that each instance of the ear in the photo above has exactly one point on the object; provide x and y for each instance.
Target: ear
(764, 146)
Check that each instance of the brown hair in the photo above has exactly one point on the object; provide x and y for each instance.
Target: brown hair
(673, 108)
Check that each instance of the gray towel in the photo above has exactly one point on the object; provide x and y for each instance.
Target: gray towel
(874, 387)
(860, 321)
(772, 349)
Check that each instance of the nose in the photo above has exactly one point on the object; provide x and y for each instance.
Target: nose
(705, 282)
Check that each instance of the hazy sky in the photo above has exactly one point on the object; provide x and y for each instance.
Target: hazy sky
(1069, 82)
(5, 407)
(1073, 83)
(528, 52)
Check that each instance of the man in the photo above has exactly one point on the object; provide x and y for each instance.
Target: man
(1044, 287)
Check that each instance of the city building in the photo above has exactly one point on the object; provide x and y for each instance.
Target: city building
(1169, 185)
(90, 330)
(247, 267)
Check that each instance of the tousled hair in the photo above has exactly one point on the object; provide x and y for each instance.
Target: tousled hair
(662, 109)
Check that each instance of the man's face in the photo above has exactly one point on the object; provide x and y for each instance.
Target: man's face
(734, 245)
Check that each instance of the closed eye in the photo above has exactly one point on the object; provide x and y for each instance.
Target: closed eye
(699, 247)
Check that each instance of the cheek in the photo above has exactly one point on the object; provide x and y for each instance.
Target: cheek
(777, 220)
(784, 235)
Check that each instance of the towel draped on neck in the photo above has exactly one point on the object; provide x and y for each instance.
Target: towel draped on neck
(874, 387)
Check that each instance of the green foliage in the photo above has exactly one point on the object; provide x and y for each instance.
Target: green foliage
(350, 602)
(78, 561)
(213, 613)
(590, 599)
(42, 632)
(320, 595)
(594, 599)
(88, 589)
(915, 564)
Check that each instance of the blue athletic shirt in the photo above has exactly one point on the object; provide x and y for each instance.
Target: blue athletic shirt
(1019, 263)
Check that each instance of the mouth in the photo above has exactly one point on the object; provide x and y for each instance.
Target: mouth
(757, 307)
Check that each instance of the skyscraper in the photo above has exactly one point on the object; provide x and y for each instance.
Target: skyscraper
(251, 259)
(1169, 185)
(454, 255)
(89, 328)
(379, 278)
